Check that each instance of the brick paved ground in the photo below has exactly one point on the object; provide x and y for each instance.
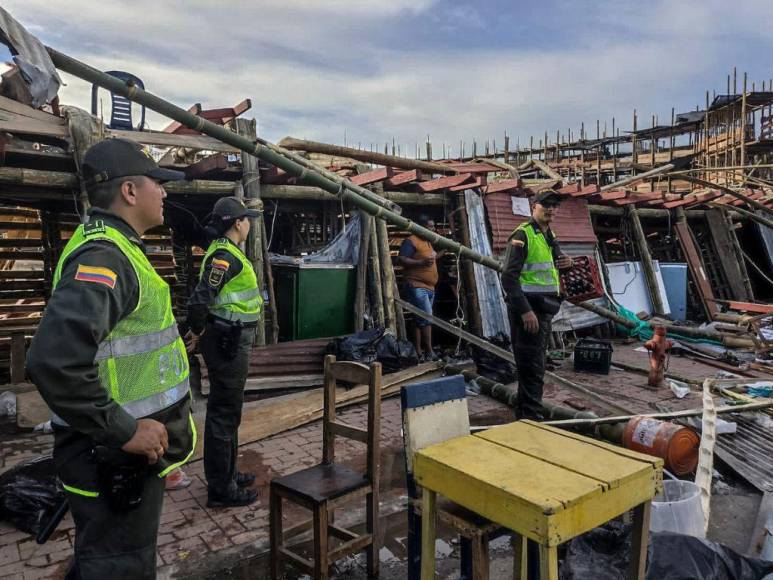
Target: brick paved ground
(191, 533)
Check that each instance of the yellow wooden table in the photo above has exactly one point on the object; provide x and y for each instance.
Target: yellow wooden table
(543, 483)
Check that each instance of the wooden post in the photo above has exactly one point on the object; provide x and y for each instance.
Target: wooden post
(634, 154)
(85, 131)
(646, 261)
(18, 357)
(616, 151)
(387, 275)
(582, 155)
(251, 187)
(270, 285)
(598, 153)
(743, 128)
(362, 271)
(468, 270)
(507, 150)
(377, 296)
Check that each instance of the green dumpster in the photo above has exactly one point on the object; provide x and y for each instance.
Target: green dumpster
(314, 300)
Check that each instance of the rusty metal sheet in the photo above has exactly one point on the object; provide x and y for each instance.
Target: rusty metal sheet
(571, 223)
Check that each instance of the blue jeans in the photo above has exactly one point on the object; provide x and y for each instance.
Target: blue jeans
(421, 298)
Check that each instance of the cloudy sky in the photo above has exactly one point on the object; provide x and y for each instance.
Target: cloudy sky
(370, 71)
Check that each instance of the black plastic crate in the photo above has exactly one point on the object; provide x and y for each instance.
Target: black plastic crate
(592, 356)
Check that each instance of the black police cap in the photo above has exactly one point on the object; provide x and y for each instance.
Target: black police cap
(114, 158)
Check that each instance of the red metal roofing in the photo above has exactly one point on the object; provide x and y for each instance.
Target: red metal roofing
(570, 224)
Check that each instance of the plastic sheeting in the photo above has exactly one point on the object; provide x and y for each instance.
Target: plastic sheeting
(344, 248)
(493, 310)
(31, 57)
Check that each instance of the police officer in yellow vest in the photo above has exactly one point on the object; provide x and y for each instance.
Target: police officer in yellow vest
(224, 310)
(109, 362)
(531, 286)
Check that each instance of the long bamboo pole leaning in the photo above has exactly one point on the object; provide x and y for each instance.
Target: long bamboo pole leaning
(365, 156)
(270, 154)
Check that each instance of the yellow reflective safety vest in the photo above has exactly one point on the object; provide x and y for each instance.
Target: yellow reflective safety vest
(539, 274)
(240, 298)
(142, 363)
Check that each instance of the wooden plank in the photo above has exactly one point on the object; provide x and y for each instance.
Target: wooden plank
(549, 446)
(271, 416)
(478, 182)
(725, 251)
(443, 182)
(544, 502)
(760, 531)
(26, 111)
(374, 176)
(504, 185)
(18, 356)
(201, 142)
(403, 178)
(208, 165)
(15, 123)
(695, 264)
(428, 531)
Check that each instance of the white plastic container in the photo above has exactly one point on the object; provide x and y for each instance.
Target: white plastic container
(678, 509)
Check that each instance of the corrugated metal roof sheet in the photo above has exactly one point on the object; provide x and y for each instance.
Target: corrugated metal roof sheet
(570, 224)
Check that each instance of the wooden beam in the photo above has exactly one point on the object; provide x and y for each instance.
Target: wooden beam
(366, 156)
(646, 261)
(443, 182)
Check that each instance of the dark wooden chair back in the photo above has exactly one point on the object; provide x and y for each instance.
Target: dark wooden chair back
(355, 375)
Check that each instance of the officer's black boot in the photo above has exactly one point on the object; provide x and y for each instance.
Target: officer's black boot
(243, 479)
(234, 498)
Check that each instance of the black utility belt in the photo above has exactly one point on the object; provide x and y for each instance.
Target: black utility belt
(223, 323)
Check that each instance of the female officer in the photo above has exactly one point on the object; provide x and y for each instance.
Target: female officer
(223, 311)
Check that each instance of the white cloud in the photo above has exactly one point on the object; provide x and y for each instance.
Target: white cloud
(317, 69)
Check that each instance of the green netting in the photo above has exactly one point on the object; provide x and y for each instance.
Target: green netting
(643, 331)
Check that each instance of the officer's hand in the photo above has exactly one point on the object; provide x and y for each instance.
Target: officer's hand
(564, 262)
(530, 322)
(191, 341)
(150, 439)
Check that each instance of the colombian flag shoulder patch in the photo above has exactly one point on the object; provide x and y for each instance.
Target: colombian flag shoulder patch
(96, 274)
(222, 264)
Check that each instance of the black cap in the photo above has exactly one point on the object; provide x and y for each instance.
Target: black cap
(231, 208)
(548, 196)
(115, 158)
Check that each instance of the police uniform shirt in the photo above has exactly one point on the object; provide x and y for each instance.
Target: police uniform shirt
(219, 268)
(515, 256)
(98, 288)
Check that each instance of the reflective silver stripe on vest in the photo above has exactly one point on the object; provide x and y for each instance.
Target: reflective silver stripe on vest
(131, 345)
(234, 297)
(230, 315)
(147, 406)
(538, 266)
(539, 289)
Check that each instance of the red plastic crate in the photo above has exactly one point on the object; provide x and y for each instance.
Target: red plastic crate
(583, 281)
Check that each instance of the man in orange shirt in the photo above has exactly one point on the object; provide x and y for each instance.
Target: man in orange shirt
(418, 259)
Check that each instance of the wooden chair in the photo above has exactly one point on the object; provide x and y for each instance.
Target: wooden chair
(435, 411)
(326, 486)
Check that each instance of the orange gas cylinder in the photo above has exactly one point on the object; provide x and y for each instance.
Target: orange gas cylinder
(677, 446)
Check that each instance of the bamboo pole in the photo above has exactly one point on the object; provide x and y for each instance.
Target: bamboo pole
(270, 286)
(377, 297)
(292, 143)
(671, 415)
(752, 202)
(362, 272)
(646, 261)
(251, 190)
(261, 149)
(729, 341)
(468, 271)
(387, 274)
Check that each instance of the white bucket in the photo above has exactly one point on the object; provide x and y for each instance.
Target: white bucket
(678, 509)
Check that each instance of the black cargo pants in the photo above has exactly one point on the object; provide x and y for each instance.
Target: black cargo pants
(116, 545)
(529, 352)
(227, 375)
